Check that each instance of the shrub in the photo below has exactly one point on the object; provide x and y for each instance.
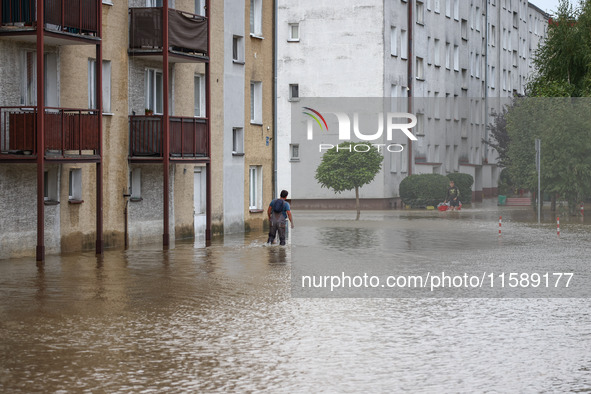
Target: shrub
(464, 183)
(422, 190)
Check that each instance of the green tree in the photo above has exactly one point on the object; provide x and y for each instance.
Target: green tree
(343, 168)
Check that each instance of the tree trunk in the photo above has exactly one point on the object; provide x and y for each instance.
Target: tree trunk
(357, 202)
(553, 203)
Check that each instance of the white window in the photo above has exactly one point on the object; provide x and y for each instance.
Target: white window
(492, 77)
(456, 58)
(199, 100)
(200, 7)
(457, 9)
(493, 35)
(420, 12)
(106, 85)
(50, 185)
(429, 51)
(420, 127)
(75, 184)
(238, 49)
(448, 8)
(403, 158)
(29, 78)
(237, 141)
(294, 152)
(437, 6)
(504, 82)
(447, 55)
(403, 44)
(478, 18)
(256, 102)
(393, 41)
(509, 82)
(154, 91)
(294, 32)
(135, 183)
(256, 187)
(437, 53)
(477, 65)
(464, 29)
(420, 68)
(429, 5)
(514, 58)
(256, 17)
(153, 3)
(294, 92)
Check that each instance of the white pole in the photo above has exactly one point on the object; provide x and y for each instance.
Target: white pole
(538, 167)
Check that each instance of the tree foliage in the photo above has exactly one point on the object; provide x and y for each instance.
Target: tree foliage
(343, 168)
(422, 190)
(464, 183)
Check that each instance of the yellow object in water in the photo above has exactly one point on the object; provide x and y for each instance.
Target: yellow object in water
(430, 207)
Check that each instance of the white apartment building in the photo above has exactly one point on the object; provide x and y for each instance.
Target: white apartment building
(457, 60)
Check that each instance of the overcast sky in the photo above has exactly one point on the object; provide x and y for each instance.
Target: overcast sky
(549, 6)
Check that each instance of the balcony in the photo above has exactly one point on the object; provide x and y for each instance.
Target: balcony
(189, 138)
(187, 35)
(70, 134)
(64, 20)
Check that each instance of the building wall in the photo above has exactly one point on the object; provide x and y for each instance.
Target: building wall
(234, 107)
(258, 139)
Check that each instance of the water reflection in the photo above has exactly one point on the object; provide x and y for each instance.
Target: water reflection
(222, 318)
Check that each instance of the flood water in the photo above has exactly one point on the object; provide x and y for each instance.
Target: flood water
(227, 318)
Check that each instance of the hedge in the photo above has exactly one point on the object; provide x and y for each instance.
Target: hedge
(423, 190)
(464, 183)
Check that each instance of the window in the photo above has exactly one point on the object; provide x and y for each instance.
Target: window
(447, 55)
(492, 77)
(294, 92)
(256, 187)
(256, 16)
(437, 6)
(256, 102)
(477, 65)
(403, 44)
(50, 185)
(153, 3)
(237, 49)
(29, 78)
(429, 5)
(200, 7)
(514, 58)
(420, 12)
(294, 32)
(199, 95)
(106, 85)
(393, 41)
(457, 9)
(135, 183)
(515, 20)
(493, 35)
(420, 127)
(237, 141)
(420, 68)
(448, 8)
(464, 27)
(478, 18)
(437, 53)
(504, 81)
(154, 90)
(294, 152)
(456, 58)
(429, 51)
(75, 185)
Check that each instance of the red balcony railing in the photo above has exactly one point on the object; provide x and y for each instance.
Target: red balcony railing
(189, 137)
(66, 130)
(186, 32)
(73, 16)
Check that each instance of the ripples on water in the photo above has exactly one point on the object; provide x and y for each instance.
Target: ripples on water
(222, 319)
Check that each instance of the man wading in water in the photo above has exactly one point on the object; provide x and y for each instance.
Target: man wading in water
(278, 212)
(453, 193)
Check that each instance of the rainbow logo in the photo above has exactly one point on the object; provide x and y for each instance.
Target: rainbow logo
(315, 118)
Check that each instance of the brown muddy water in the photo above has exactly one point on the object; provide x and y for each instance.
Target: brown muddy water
(232, 317)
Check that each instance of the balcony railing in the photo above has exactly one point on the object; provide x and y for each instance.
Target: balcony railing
(189, 137)
(72, 16)
(67, 131)
(186, 32)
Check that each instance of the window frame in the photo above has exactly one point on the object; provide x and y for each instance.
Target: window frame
(237, 141)
(255, 184)
(291, 37)
(256, 102)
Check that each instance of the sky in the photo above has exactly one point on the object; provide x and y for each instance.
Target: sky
(549, 5)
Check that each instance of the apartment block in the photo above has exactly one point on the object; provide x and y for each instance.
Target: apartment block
(116, 136)
(449, 62)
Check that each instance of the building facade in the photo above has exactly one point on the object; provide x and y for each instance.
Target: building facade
(449, 62)
(117, 161)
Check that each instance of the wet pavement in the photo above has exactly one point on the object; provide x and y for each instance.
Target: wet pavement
(228, 317)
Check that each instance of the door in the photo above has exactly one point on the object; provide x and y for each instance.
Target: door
(199, 200)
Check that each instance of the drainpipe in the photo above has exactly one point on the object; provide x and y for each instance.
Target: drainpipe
(485, 146)
(410, 77)
(208, 116)
(275, 25)
(99, 101)
(165, 124)
(40, 133)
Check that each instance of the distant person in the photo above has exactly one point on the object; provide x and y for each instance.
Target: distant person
(453, 196)
(278, 212)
